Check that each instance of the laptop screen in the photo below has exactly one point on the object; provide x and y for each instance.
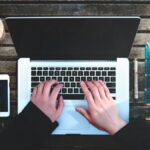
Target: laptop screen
(73, 38)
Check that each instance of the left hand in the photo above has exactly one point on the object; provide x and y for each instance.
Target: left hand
(46, 100)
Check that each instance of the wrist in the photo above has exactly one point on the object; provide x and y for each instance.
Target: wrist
(119, 125)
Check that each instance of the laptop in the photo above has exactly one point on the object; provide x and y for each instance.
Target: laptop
(70, 49)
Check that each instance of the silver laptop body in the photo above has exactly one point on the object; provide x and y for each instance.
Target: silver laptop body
(70, 49)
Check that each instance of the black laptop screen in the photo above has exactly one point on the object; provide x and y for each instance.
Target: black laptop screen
(73, 38)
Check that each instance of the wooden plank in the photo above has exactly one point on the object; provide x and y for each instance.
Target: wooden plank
(141, 38)
(8, 52)
(137, 52)
(110, 1)
(8, 67)
(73, 9)
(7, 40)
(13, 96)
(13, 83)
(140, 111)
(144, 24)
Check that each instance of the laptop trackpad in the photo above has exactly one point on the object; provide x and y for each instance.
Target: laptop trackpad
(70, 119)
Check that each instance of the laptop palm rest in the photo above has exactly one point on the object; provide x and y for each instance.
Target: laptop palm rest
(72, 120)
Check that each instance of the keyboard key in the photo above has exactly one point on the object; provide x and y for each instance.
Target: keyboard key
(112, 90)
(34, 84)
(94, 68)
(33, 73)
(88, 68)
(106, 68)
(103, 73)
(74, 73)
(45, 68)
(107, 79)
(111, 73)
(35, 78)
(76, 68)
(63, 68)
(39, 73)
(64, 90)
(98, 73)
(95, 78)
(89, 78)
(62, 73)
(76, 90)
(92, 73)
(109, 84)
(114, 98)
(65, 78)
(33, 68)
(81, 91)
(67, 84)
(51, 68)
(113, 79)
(45, 73)
(51, 73)
(100, 68)
(70, 68)
(39, 68)
(86, 73)
(101, 78)
(80, 73)
(112, 68)
(73, 85)
(56, 73)
(70, 90)
(57, 68)
(82, 68)
(59, 79)
(77, 78)
(78, 84)
(48, 78)
(68, 73)
(71, 78)
(42, 78)
(83, 78)
(73, 96)
(54, 78)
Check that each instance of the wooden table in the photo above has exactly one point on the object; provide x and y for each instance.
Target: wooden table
(8, 56)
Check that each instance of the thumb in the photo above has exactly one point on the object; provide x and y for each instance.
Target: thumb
(60, 106)
(84, 113)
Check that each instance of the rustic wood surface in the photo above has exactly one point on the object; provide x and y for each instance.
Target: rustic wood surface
(8, 55)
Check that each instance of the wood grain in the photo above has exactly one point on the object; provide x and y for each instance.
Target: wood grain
(73, 9)
(8, 67)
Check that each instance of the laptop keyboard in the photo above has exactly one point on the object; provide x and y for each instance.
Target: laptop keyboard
(71, 77)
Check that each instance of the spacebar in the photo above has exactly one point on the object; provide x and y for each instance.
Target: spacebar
(73, 96)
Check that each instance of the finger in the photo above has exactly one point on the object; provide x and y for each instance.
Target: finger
(40, 88)
(100, 89)
(87, 93)
(106, 90)
(60, 106)
(55, 92)
(84, 113)
(48, 85)
(93, 88)
(34, 92)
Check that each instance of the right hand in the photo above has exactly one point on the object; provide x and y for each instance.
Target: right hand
(102, 111)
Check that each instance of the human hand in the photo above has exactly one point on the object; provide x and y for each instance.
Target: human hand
(46, 99)
(102, 111)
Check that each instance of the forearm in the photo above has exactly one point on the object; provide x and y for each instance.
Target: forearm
(29, 129)
(135, 135)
